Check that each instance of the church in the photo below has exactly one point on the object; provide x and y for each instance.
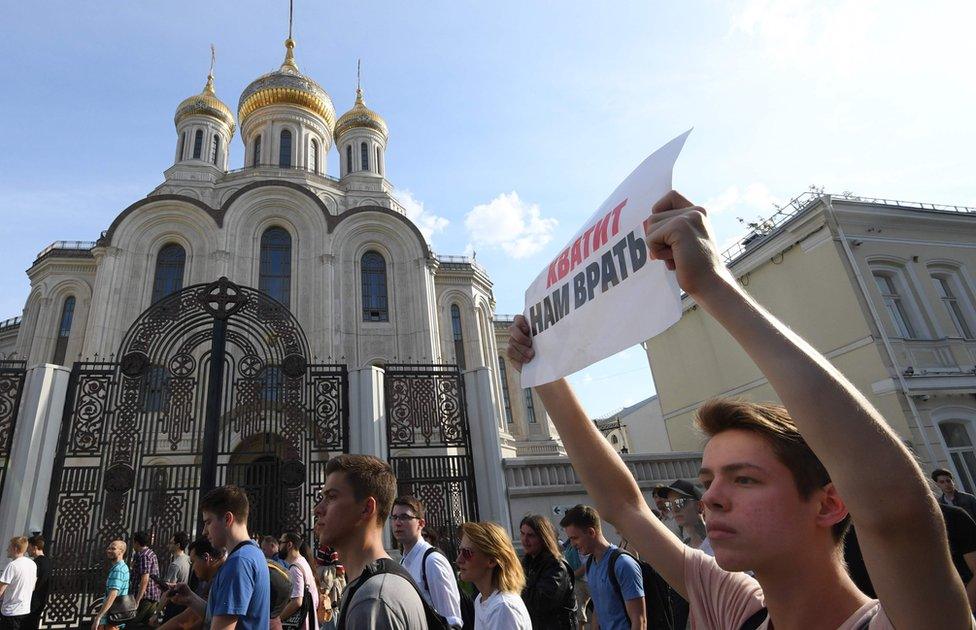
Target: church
(243, 325)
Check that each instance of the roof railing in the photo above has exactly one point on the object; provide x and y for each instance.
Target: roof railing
(461, 260)
(66, 246)
(761, 229)
(269, 166)
(10, 323)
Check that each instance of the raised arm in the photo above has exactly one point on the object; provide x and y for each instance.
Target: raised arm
(884, 489)
(608, 482)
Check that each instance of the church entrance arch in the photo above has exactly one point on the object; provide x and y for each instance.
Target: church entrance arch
(213, 385)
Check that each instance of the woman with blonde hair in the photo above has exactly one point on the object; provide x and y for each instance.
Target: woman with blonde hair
(487, 559)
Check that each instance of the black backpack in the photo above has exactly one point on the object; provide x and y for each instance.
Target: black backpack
(386, 565)
(657, 597)
(467, 604)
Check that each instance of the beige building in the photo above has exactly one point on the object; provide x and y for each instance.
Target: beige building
(637, 428)
(885, 289)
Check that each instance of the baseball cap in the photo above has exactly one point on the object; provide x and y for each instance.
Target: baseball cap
(680, 486)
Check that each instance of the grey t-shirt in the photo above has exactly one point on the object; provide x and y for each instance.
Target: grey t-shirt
(178, 570)
(386, 602)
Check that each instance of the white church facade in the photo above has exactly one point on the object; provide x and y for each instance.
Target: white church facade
(340, 253)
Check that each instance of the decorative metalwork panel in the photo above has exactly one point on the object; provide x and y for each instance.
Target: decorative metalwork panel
(430, 445)
(139, 435)
(12, 375)
(445, 483)
(425, 406)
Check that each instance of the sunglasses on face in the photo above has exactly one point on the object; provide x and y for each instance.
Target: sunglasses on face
(403, 517)
(676, 504)
(465, 554)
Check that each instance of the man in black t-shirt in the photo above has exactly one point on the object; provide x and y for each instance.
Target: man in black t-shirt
(961, 531)
(35, 549)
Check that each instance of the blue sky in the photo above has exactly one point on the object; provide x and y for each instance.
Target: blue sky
(509, 121)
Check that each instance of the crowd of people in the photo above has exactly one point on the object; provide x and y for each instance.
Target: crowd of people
(812, 514)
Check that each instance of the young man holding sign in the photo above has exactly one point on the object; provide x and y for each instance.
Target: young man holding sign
(778, 487)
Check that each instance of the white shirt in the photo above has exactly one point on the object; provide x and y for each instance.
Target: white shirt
(442, 592)
(301, 574)
(20, 576)
(501, 611)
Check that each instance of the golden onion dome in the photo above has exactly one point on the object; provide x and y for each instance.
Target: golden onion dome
(360, 116)
(206, 103)
(286, 86)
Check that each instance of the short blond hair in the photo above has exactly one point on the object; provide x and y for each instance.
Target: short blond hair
(19, 543)
(491, 540)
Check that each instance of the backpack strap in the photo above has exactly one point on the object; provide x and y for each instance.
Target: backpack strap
(379, 567)
(612, 574)
(755, 620)
(423, 567)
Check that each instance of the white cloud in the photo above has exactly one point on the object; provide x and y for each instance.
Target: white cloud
(427, 222)
(510, 224)
(755, 199)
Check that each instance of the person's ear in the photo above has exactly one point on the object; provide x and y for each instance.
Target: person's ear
(369, 509)
(831, 507)
(422, 522)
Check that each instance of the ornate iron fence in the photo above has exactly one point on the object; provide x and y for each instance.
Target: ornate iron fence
(214, 386)
(429, 441)
(12, 374)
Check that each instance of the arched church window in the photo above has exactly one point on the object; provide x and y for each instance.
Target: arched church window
(198, 144)
(256, 160)
(348, 159)
(315, 156)
(458, 335)
(529, 406)
(169, 271)
(214, 149)
(375, 304)
(364, 156)
(64, 330)
(182, 147)
(275, 274)
(284, 149)
(379, 163)
(503, 375)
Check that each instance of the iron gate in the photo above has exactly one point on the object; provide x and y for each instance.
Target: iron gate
(12, 375)
(213, 386)
(429, 443)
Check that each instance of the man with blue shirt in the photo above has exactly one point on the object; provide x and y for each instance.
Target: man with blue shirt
(117, 584)
(613, 611)
(240, 595)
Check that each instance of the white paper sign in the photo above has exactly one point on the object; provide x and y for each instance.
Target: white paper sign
(602, 293)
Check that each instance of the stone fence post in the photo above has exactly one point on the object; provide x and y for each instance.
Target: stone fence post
(489, 474)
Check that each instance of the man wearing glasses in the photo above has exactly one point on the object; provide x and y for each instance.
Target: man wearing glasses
(682, 501)
(430, 569)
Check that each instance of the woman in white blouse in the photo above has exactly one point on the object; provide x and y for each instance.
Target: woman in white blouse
(487, 559)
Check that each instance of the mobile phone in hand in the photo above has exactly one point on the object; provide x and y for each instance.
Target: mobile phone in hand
(162, 585)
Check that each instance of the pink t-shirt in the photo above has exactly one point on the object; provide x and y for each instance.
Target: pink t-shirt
(301, 574)
(723, 600)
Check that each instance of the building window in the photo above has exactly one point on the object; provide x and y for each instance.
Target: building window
(945, 286)
(364, 156)
(375, 305)
(182, 146)
(529, 406)
(503, 375)
(275, 275)
(348, 159)
(257, 152)
(169, 271)
(64, 330)
(613, 439)
(895, 305)
(379, 162)
(458, 336)
(198, 144)
(214, 149)
(959, 442)
(315, 156)
(284, 149)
